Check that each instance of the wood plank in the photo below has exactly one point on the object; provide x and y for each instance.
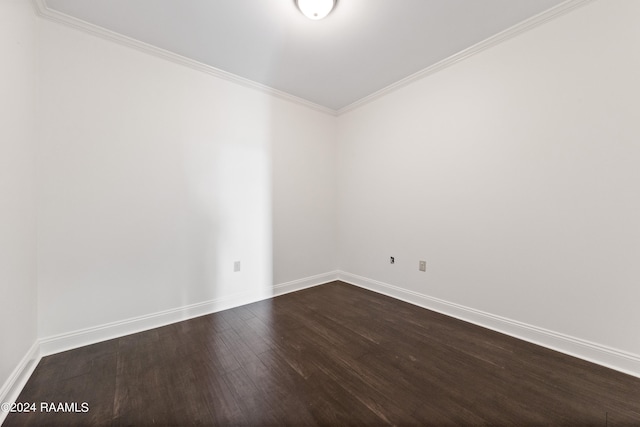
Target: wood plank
(329, 355)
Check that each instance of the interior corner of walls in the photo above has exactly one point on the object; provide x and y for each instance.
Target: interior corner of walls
(39, 6)
(19, 376)
(307, 282)
(593, 352)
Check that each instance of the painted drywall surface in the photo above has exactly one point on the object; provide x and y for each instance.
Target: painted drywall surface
(18, 301)
(156, 178)
(304, 182)
(514, 174)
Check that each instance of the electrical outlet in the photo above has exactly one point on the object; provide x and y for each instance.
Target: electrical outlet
(423, 266)
(392, 260)
(236, 266)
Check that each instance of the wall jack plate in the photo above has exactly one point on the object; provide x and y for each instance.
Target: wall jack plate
(392, 260)
(236, 266)
(423, 266)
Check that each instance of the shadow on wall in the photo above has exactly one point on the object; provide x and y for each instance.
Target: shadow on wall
(155, 179)
(151, 188)
(229, 232)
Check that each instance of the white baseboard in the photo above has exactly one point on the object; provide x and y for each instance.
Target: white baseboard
(602, 355)
(92, 335)
(55, 344)
(596, 353)
(15, 383)
(308, 282)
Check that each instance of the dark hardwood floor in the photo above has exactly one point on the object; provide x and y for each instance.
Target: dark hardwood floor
(330, 355)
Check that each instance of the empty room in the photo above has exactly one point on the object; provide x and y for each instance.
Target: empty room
(319, 212)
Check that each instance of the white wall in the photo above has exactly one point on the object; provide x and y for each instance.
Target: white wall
(515, 175)
(17, 183)
(155, 178)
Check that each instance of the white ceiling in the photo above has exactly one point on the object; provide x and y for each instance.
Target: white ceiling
(363, 46)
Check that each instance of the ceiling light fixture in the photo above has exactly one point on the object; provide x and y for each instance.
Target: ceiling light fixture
(315, 9)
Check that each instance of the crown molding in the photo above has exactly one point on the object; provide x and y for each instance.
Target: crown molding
(45, 12)
(494, 40)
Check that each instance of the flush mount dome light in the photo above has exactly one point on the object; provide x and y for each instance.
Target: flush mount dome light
(315, 9)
